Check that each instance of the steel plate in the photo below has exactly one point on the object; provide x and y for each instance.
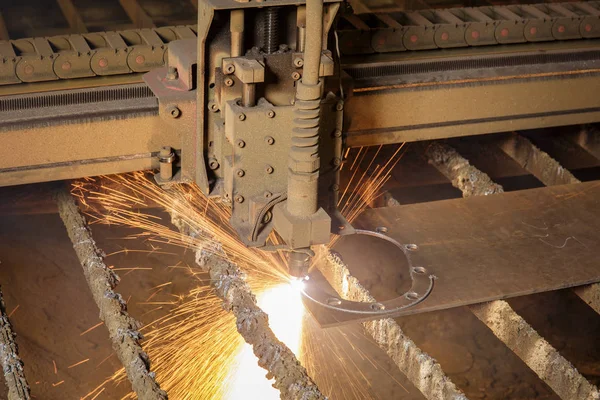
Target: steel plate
(489, 248)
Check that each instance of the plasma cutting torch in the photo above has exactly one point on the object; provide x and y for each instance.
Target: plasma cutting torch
(252, 101)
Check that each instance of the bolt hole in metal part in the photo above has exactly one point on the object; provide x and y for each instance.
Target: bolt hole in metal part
(421, 287)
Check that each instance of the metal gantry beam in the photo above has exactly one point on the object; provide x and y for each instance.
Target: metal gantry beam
(18, 388)
(72, 16)
(422, 370)
(136, 13)
(558, 373)
(123, 328)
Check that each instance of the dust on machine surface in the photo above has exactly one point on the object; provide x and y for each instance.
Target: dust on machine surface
(413, 183)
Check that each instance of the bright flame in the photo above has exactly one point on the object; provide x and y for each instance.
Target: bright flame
(284, 306)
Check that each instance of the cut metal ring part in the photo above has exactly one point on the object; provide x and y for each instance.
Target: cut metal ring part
(422, 285)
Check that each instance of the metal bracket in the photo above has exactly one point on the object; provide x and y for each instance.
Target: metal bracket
(422, 285)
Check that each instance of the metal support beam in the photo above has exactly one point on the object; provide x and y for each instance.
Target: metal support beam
(136, 13)
(546, 169)
(122, 328)
(535, 351)
(589, 139)
(291, 378)
(465, 177)
(18, 388)
(72, 16)
(421, 369)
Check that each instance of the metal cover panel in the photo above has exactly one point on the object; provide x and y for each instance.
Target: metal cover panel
(494, 247)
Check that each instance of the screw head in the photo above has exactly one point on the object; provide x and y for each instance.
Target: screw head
(172, 73)
(212, 106)
(295, 75)
(271, 114)
(240, 172)
(298, 62)
(335, 187)
(174, 111)
(213, 164)
(140, 59)
(66, 66)
(269, 169)
(337, 161)
(228, 82)
(267, 218)
(103, 63)
(239, 198)
(28, 69)
(241, 116)
(337, 133)
(229, 69)
(241, 143)
(269, 140)
(339, 106)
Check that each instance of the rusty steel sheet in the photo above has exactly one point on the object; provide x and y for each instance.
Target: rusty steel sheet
(481, 248)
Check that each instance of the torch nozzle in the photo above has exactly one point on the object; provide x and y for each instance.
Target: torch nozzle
(298, 263)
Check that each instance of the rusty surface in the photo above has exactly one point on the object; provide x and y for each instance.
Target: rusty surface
(123, 329)
(465, 177)
(495, 247)
(12, 366)
(498, 315)
(291, 378)
(421, 369)
(535, 351)
(539, 163)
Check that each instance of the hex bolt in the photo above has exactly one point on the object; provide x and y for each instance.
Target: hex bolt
(241, 143)
(269, 140)
(228, 82)
(213, 163)
(229, 69)
(212, 106)
(240, 172)
(295, 75)
(298, 62)
(166, 156)
(241, 116)
(337, 133)
(269, 169)
(239, 198)
(172, 73)
(339, 106)
(271, 114)
(174, 111)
